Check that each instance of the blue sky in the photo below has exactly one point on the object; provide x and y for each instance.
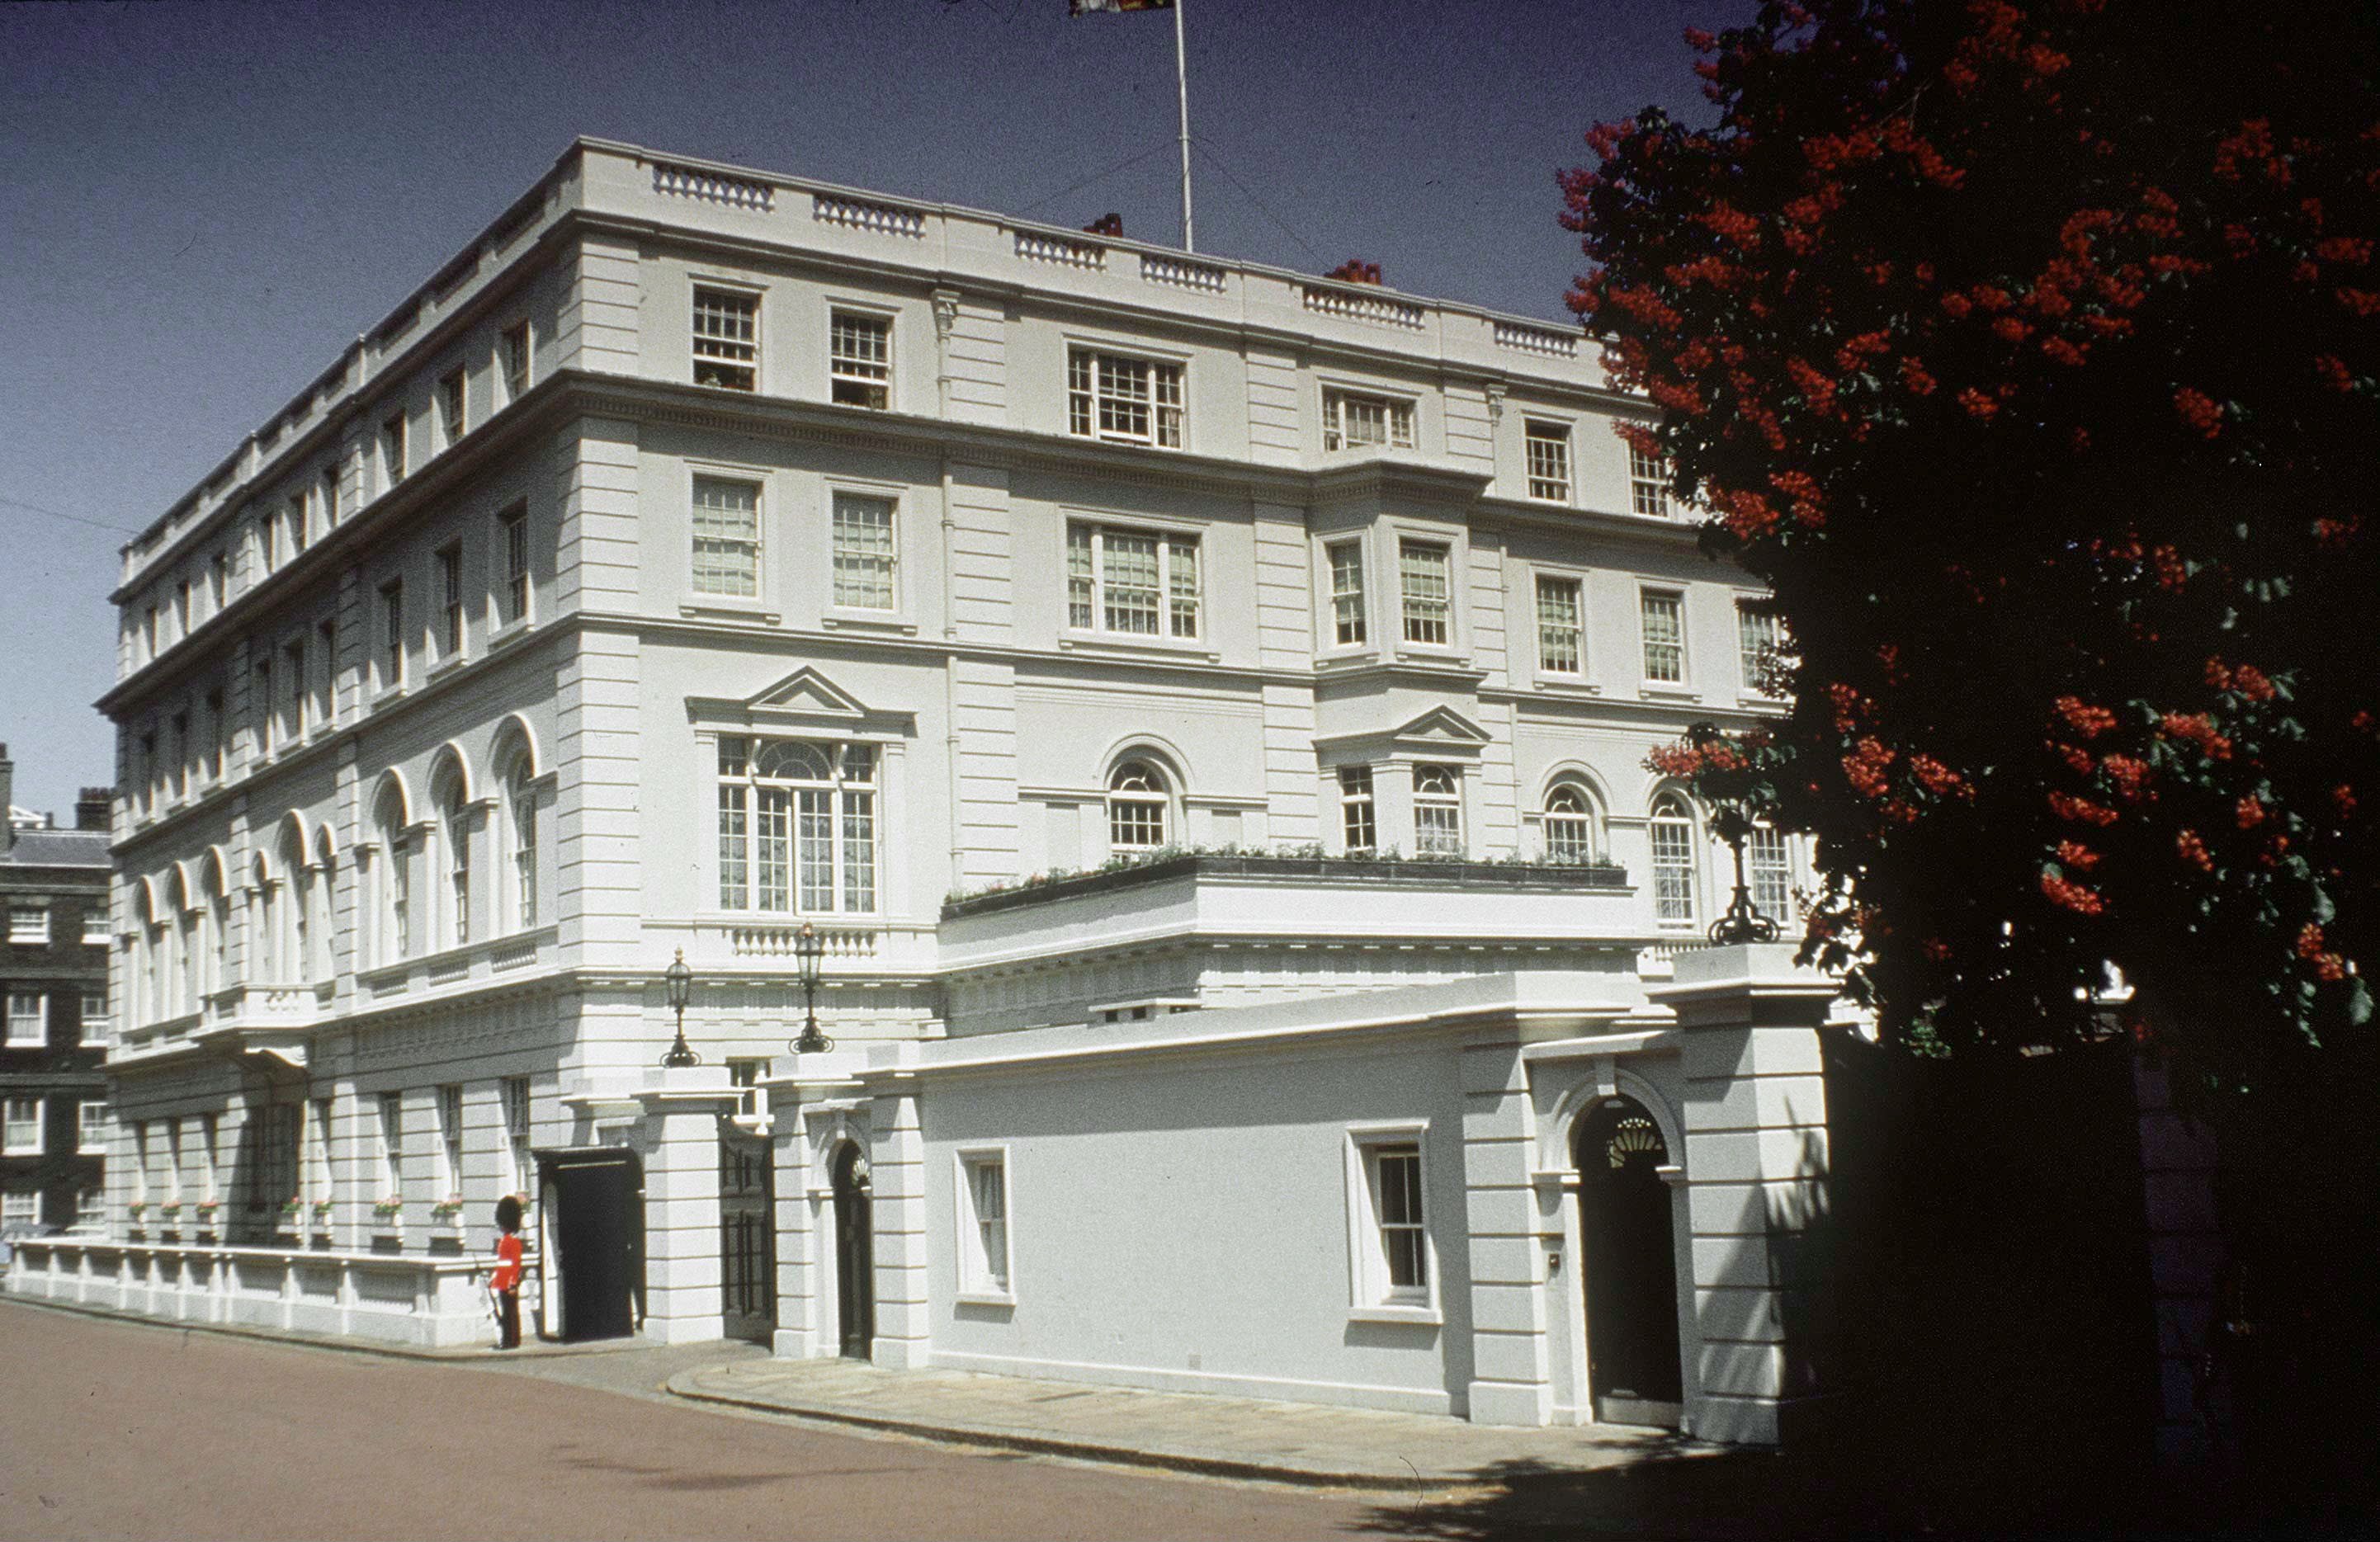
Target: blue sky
(204, 201)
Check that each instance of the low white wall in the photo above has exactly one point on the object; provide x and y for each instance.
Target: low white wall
(425, 1302)
(1183, 1223)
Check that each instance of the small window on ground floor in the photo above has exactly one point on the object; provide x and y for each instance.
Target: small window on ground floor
(983, 1224)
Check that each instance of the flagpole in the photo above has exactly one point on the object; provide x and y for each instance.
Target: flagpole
(1182, 83)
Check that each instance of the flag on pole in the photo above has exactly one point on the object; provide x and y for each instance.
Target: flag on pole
(1084, 7)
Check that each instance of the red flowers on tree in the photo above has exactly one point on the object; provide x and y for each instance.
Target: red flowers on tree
(2055, 376)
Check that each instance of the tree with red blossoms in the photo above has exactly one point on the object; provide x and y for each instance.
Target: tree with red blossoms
(2030, 351)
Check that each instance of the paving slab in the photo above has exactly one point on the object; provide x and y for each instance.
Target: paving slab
(1224, 1436)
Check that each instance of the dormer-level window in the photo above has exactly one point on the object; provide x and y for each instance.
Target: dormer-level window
(1126, 401)
(1648, 484)
(1350, 418)
(726, 339)
(1548, 447)
(859, 360)
(454, 402)
(513, 360)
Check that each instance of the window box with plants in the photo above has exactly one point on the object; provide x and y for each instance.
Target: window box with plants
(169, 1219)
(285, 1228)
(207, 1211)
(388, 1215)
(321, 1211)
(137, 1217)
(447, 1214)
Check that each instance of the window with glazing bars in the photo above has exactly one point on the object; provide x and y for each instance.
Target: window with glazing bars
(450, 602)
(513, 360)
(293, 516)
(27, 1025)
(726, 339)
(1649, 483)
(512, 529)
(1438, 810)
(1136, 583)
(796, 825)
(392, 458)
(1137, 806)
(1350, 418)
(1757, 640)
(1424, 580)
(1559, 647)
(859, 359)
(453, 395)
(1663, 619)
(1397, 1201)
(1771, 872)
(391, 633)
(863, 552)
(28, 923)
(1673, 861)
(516, 1134)
(91, 1125)
(1346, 591)
(391, 1144)
(1569, 826)
(1358, 826)
(1132, 401)
(727, 537)
(1548, 449)
(327, 497)
(450, 1139)
(988, 1204)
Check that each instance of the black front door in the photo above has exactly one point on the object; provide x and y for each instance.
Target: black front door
(854, 1253)
(747, 1240)
(1632, 1272)
(593, 1205)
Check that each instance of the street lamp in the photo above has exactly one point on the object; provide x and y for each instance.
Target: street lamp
(808, 948)
(1742, 921)
(679, 979)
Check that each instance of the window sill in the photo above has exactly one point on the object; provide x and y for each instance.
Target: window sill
(446, 666)
(1568, 685)
(386, 694)
(509, 634)
(867, 621)
(985, 1298)
(1411, 1316)
(730, 610)
(1144, 648)
(1759, 698)
(1670, 693)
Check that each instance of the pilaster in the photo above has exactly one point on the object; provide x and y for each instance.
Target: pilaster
(1756, 1171)
(903, 1331)
(1512, 1372)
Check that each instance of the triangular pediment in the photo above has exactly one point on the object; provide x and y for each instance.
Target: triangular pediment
(807, 692)
(1441, 725)
(806, 700)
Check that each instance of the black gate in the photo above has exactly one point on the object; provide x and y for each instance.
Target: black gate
(1631, 1266)
(854, 1253)
(747, 1234)
(592, 1214)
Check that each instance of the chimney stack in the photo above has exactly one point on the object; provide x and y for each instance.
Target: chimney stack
(91, 806)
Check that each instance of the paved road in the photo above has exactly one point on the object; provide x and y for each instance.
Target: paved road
(123, 1429)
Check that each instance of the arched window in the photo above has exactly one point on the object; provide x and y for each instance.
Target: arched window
(1673, 860)
(1770, 870)
(1438, 810)
(796, 825)
(186, 947)
(455, 838)
(324, 960)
(520, 806)
(218, 928)
(393, 885)
(293, 932)
(263, 925)
(1138, 807)
(1570, 825)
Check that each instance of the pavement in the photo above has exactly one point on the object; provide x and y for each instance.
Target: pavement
(1223, 1437)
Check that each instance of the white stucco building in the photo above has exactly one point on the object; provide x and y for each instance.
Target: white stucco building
(705, 552)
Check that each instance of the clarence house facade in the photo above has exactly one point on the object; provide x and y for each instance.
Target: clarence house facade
(1139, 755)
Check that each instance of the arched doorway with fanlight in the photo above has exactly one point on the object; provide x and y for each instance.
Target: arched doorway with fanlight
(1628, 1233)
(855, 1254)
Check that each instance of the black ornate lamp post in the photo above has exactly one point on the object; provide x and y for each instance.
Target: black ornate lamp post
(1742, 921)
(680, 982)
(808, 948)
